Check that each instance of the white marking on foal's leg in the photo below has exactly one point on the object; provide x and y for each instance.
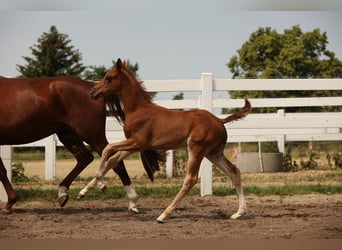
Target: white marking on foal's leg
(90, 185)
(242, 207)
(102, 185)
(132, 198)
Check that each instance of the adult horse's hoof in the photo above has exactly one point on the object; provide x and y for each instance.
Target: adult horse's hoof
(6, 211)
(8, 207)
(63, 199)
(133, 210)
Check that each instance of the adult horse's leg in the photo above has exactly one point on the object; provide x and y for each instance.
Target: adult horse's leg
(83, 157)
(12, 198)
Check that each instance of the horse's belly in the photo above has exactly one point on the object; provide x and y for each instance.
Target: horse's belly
(23, 135)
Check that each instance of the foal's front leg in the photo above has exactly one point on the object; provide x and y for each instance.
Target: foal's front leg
(93, 182)
(107, 163)
(190, 180)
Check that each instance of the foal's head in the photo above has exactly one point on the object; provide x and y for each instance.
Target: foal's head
(111, 82)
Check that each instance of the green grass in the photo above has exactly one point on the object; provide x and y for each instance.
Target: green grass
(39, 194)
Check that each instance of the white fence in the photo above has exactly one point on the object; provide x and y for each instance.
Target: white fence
(278, 126)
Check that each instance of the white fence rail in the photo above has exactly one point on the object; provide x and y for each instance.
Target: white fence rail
(278, 126)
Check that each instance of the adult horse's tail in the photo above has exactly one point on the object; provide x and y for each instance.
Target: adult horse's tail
(240, 114)
(151, 159)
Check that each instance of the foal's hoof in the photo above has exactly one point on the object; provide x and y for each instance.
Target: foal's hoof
(242, 210)
(160, 221)
(63, 199)
(239, 213)
(235, 216)
(80, 196)
(103, 188)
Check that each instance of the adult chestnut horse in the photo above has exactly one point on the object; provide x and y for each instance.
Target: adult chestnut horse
(33, 108)
(148, 126)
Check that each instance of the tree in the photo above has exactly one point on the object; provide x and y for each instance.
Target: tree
(293, 54)
(52, 56)
(96, 73)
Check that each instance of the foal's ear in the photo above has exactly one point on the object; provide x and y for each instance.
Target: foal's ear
(118, 64)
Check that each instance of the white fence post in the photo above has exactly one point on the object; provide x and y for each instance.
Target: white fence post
(281, 138)
(50, 157)
(207, 104)
(6, 156)
(169, 163)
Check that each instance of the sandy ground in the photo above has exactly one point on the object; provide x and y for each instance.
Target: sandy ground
(63, 167)
(273, 217)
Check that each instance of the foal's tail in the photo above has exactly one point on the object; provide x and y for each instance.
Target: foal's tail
(240, 114)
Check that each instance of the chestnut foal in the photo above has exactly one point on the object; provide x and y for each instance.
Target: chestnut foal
(149, 126)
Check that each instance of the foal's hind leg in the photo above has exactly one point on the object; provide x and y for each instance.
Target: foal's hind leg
(234, 173)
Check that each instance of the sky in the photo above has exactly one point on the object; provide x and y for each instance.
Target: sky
(178, 39)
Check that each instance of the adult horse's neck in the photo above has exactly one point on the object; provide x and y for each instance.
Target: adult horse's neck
(133, 94)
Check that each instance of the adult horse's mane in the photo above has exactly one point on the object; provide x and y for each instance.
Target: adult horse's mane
(116, 108)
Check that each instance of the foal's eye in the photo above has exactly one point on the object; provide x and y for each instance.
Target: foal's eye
(109, 78)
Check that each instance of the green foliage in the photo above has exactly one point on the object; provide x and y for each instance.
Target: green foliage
(96, 73)
(337, 160)
(289, 164)
(52, 56)
(18, 174)
(293, 54)
(311, 163)
(179, 96)
(180, 162)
